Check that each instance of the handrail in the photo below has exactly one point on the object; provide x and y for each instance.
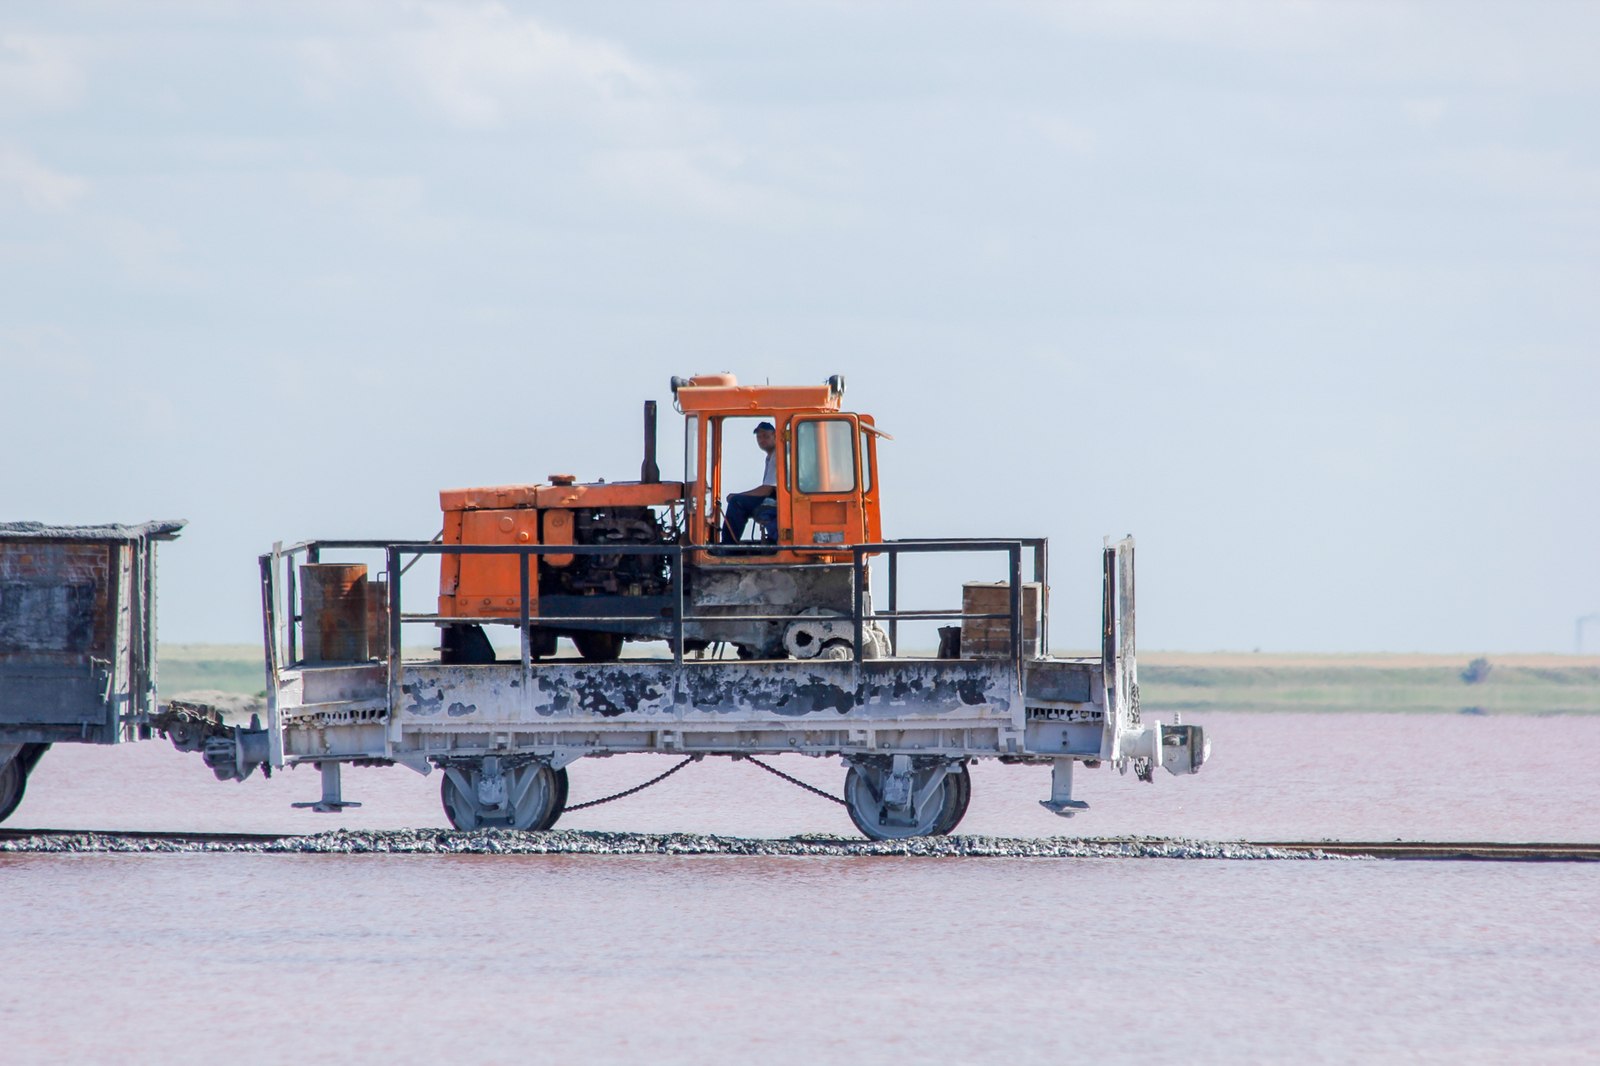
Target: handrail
(859, 615)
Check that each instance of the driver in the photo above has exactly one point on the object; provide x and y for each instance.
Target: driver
(761, 502)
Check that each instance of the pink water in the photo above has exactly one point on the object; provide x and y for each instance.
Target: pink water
(487, 959)
(1271, 777)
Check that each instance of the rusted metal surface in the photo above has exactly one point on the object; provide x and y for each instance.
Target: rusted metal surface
(984, 638)
(749, 691)
(720, 595)
(378, 619)
(77, 631)
(333, 599)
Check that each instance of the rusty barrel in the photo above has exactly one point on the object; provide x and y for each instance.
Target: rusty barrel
(333, 610)
(990, 638)
(378, 618)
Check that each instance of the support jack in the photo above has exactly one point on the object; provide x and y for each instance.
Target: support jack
(331, 801)
(1061, 801)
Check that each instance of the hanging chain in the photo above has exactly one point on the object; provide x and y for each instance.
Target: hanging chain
(694, 758)
(636, 788)
(793, 780)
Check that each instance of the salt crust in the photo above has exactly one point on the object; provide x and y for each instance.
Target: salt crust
(568, 842)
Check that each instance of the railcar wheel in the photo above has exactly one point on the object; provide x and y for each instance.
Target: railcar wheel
(561, 800)
(962, 781)
(598, 647)
(13, 783)
(942, 805)
(535, 796)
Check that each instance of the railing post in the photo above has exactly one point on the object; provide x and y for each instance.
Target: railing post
(1108, 634)
(677, 609)
(269, 625)
(856, 563)
(522, 580)
(894, 601)
(395, 670)
(1014, 554)
(291, 593)
(1041, 574)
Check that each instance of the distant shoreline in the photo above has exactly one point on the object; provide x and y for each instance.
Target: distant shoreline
(1182, 682)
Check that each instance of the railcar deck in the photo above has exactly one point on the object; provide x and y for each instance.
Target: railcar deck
(504, 733)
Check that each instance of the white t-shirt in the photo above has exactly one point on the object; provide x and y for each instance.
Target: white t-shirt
(770, 477)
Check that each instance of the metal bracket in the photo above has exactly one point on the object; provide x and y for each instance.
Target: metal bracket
(331, 802)
(1061, 801)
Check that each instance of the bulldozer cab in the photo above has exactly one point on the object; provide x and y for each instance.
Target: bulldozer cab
(825, 496)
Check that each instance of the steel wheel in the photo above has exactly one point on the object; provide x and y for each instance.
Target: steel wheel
(535, 798)
(13, 783)
(942, 808)
(561, 800)
(962, 780)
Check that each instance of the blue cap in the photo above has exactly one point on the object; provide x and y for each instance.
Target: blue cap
(765, 425)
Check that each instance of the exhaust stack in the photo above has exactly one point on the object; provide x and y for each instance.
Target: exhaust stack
(649, 473)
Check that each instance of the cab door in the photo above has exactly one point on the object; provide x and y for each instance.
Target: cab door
(824, 475)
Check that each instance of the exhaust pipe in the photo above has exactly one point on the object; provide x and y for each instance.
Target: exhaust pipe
(649, 473)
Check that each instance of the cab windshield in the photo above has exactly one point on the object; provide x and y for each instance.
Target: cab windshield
(825, 456)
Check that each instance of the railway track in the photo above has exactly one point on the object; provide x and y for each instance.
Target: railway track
(1483, 851)
(1458, 851)
(139, 834)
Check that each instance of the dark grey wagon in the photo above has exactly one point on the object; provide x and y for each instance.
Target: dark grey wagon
(77, 640)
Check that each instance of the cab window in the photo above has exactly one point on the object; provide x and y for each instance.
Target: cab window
(825, 456)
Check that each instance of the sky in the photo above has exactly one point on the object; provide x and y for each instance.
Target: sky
(1302, 295)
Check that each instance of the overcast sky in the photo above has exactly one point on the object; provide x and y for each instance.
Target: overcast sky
(1303, 295)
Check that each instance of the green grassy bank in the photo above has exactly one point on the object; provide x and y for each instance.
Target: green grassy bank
(226, 667)
(1412, 684)
(1182, 681)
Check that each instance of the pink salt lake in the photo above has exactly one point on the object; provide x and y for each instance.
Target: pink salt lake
(322, 958)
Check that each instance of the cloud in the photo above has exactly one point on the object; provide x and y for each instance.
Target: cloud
(1549, 177)
(393, 205)
(1549, 44)
(700, 181)
(42, 189)
(479, 66)
(1243, 25)
(1426, 112)
(146, 253)
(636, 129)
(38, 73)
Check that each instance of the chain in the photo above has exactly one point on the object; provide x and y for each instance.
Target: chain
(793, 780)
(637, 788)
(686, 762)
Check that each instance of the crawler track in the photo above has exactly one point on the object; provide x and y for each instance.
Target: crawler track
(1150, 847)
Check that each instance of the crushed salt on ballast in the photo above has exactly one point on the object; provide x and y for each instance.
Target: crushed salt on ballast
(566, 842)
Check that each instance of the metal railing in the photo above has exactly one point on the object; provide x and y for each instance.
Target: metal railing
(525, 620)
